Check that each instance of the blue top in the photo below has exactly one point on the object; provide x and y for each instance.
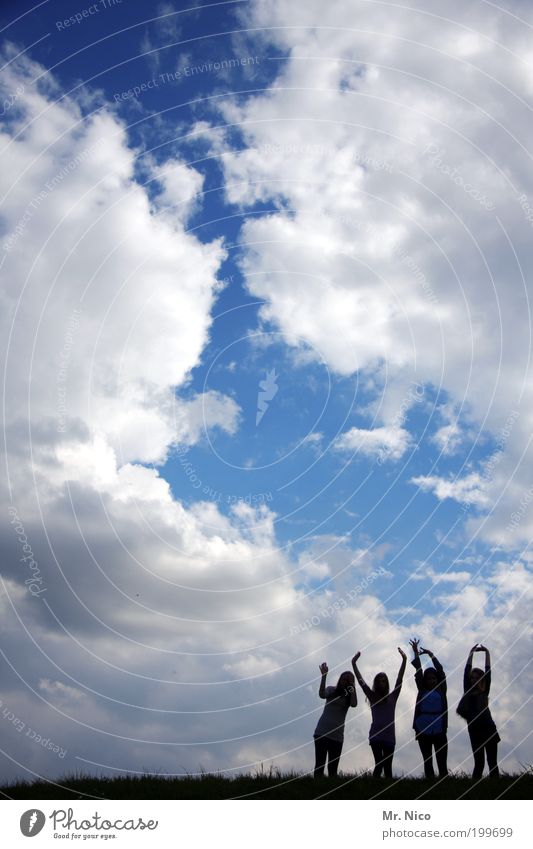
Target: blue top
(429, 719)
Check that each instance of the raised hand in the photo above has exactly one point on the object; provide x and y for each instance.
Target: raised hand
(425, 651)
(475, 648)
(415, 645)
(403, 654)
(356, 657)
(324, 668)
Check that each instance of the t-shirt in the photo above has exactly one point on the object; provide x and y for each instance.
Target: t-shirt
(430, 720)
(478, 713)
(331, 723)
(479, 716)
(382, 728)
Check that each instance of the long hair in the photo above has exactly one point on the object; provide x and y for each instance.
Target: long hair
(480, 683)
(342, 691)
(384, 695)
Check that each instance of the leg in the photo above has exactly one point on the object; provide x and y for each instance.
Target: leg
(478, 750)
(321, 751)
(426, 747)
(377, 751)
(441, 753)
(334, 754)
(491, 748)
(388, 754)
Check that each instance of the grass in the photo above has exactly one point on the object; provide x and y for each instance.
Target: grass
(272, 785)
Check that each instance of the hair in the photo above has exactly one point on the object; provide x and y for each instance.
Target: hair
(379, 675)
(342, 691)
(430, 670)
(481, 679)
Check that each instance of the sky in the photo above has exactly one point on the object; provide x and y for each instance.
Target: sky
(267, 398)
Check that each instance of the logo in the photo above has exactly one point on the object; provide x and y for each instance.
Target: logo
(269, 388)
(32, 822)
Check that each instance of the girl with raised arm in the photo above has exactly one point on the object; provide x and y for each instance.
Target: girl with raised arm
(382, 736)
(329, 732)
(431, 711)
(474, 707)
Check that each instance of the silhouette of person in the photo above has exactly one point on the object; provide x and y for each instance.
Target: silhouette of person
(474, 707)
(382, 735)
(329, 732)
(431, 712)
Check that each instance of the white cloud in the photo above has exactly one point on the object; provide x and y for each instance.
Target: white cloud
(398, 241)
(448, 438)
(208, 410)
(118, 298)
(157, 611)
(385, 443)
(425, 573)
(468, 490)
(181, 191)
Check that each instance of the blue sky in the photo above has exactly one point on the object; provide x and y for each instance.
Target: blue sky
(207, 207)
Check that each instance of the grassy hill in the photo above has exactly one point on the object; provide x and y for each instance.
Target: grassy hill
(272, 785)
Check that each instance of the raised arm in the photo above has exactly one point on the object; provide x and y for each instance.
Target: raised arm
(487, 668)
(360, 680)
(401, 670)
(323, 675)
(437, 665)
(414, 643)
(468, 669)
(419, 678)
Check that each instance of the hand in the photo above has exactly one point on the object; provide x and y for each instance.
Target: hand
(324, 668)
(403, 654)
(414, 645)
(474, 648)
(356, 657)
(426, 651)
(481, 648)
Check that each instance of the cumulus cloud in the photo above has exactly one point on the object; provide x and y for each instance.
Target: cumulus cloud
(394, 182)
(385, 443)
(118, 298)
(205, 411)
(467, 490)
(169, 637)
